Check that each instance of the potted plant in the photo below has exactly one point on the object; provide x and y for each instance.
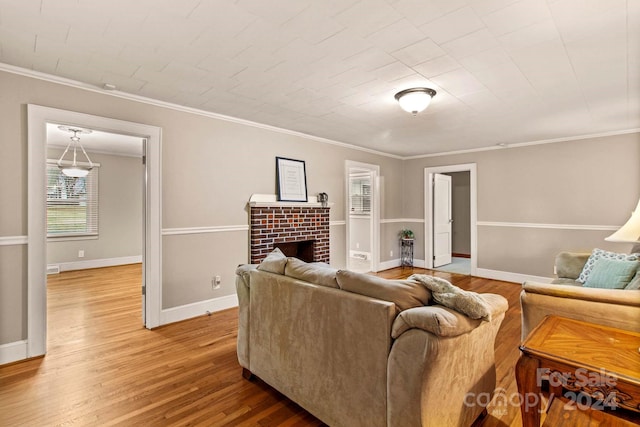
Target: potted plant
(406, 234)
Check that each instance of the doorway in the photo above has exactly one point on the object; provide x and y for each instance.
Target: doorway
(450, 219)
(38, 118)
(362, 216)
(94, 221)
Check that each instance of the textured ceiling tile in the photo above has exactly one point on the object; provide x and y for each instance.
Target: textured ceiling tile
(437, 66)
(470, 44)
(275, 12)
(459, 82)
(331, 68)
(516, 16)
(396, 36)
(530, 35)
(418, 52)
(453, 25)
(304, 25)
(485, 7)
(419, 12)
(367, 17)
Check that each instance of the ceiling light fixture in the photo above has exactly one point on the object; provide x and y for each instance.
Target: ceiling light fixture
(415, 100)
(74, 169)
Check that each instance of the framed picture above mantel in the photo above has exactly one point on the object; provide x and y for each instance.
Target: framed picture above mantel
(291, 180)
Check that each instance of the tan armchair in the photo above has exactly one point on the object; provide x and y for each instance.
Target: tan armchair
(619, 308)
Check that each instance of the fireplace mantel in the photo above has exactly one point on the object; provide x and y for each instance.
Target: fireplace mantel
(270, 200)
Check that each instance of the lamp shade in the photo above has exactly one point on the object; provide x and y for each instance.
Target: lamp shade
(630, 231)
(415, 100)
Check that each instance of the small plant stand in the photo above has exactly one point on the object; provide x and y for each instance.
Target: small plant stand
(406, 252)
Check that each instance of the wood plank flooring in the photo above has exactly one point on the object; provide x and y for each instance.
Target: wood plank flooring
(103, 368)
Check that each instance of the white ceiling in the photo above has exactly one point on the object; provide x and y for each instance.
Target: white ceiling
(505, 71)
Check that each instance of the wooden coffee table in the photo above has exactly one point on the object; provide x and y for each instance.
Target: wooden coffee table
(597, 365)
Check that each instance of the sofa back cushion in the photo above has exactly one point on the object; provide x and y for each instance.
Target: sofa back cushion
(275, 262)
(319, 274)
(404, 294)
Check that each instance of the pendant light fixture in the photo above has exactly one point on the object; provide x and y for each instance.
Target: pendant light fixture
(415, 100)
(74, 169)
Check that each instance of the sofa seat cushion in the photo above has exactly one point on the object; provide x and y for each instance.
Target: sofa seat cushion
(316, 273)
(404, 294)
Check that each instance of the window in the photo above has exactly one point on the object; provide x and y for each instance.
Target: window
(72, 203)
(360, 195)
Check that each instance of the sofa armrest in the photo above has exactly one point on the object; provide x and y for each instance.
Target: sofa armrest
(609, 296)
(442, 321)
(569, 265)
(242, 289)
(425, 356)
(618, 308)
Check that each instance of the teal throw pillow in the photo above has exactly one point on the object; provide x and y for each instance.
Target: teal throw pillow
(597, 254)
(611, 273)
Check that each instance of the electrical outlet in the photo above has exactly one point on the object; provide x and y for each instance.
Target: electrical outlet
(555, 270)
(215, 282)
(81, 253)
(357, 245)
(390, 253)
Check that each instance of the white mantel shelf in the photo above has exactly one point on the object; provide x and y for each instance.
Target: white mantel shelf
(270, 200)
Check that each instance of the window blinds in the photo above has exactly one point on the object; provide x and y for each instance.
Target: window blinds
(72, 203)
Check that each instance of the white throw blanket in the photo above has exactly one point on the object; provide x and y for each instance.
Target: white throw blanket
(444, 293)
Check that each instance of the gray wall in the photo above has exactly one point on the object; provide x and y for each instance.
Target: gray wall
(227, 163)
(578, 183)
(120, 213)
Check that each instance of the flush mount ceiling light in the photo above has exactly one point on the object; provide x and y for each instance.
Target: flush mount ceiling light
(415, 100)
(74, 169)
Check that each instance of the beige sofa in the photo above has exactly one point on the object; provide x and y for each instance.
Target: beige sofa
(566, 297)
(356, 360)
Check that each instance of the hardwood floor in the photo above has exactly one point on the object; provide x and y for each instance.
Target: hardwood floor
(103, 368)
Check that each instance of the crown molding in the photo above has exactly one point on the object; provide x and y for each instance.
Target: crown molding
(155, 102)
(526, 144)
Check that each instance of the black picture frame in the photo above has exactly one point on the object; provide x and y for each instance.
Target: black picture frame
(291, 180)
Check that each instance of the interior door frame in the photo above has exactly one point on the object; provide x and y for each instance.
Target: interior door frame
(37, 119)
(375, 207)
(428, 210)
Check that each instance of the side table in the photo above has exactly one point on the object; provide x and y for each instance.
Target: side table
(406, 252)
(597, 366)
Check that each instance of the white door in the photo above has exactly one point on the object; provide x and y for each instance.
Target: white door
(442, 220)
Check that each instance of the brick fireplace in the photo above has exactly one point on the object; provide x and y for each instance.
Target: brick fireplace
(298, 229)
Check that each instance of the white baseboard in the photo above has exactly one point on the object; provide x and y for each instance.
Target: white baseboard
(386, 265)
(13, 351)
(510, 277)
(98, 263)
(187, 311)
